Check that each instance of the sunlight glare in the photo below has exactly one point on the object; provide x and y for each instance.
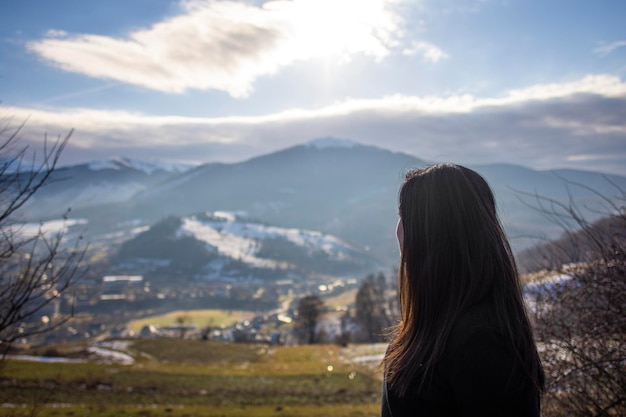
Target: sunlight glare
(336, 28)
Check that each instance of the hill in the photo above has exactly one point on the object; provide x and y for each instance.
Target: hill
(96, 183)
(574, 247)
(223, 245)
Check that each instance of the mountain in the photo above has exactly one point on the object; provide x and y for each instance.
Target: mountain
(528, 200)
(147, 166)
(98, 182)
(346, 191)
(219, 245)
(333, 186)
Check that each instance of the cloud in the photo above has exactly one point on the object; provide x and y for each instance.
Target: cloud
(227, 45)
(608, 48)
(578, 124)
(429, 51)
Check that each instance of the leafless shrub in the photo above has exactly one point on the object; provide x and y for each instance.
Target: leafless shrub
(580, 318)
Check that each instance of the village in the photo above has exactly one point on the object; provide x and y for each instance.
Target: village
(101, 308)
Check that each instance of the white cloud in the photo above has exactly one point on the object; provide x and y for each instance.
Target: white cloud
(542, 126)
(429, 51)
(582, 127)
(608, 48)
(595, 157)
(605, 85)
(226, 45)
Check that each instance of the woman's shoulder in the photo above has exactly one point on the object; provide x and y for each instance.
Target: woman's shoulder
(483, 370)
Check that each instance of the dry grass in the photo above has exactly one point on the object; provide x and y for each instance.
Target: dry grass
(191, 378)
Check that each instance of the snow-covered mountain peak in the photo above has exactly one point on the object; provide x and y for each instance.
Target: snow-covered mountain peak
(329, 142)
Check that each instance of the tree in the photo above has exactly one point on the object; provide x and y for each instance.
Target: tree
(372, 308)
(35, 269)
(580, 319)
(308, 313)
(181, 321)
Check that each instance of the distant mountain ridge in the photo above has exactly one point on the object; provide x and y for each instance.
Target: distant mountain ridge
(329, 185)
(147, 166)
(99, 182)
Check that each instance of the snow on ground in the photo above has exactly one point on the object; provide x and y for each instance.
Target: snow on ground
(226, 215)
(535, 290)
(226, 241)
(103, 352)
(48, 359)
(108, 354)
(48, 228)
(123, 234)
(546, 284)
(238, 239)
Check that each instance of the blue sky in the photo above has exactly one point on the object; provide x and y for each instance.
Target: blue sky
(535, 83)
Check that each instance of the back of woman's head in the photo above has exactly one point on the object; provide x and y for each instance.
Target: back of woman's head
(454, 255)
(454, 247)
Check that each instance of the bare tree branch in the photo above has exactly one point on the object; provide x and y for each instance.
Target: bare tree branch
(37, 269)
(580, 321)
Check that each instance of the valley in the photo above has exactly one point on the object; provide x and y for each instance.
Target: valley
(253, 236)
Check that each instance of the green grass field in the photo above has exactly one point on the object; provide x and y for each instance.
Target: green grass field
(172, 377)
(201, 318)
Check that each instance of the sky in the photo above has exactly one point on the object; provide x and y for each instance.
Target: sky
(530, 82)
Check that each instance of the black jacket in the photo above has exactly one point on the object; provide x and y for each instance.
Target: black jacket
(477, 375)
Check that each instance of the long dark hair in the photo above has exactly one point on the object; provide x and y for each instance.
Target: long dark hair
(454, 255)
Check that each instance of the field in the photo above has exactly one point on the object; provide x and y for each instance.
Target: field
(201, 318)
(346, 298)
(171, 377)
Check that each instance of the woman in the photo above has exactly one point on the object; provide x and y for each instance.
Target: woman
(464, 345)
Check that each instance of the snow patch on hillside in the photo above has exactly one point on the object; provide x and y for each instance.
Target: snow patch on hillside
(239, 239)
(227, 243)
(47, 228)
